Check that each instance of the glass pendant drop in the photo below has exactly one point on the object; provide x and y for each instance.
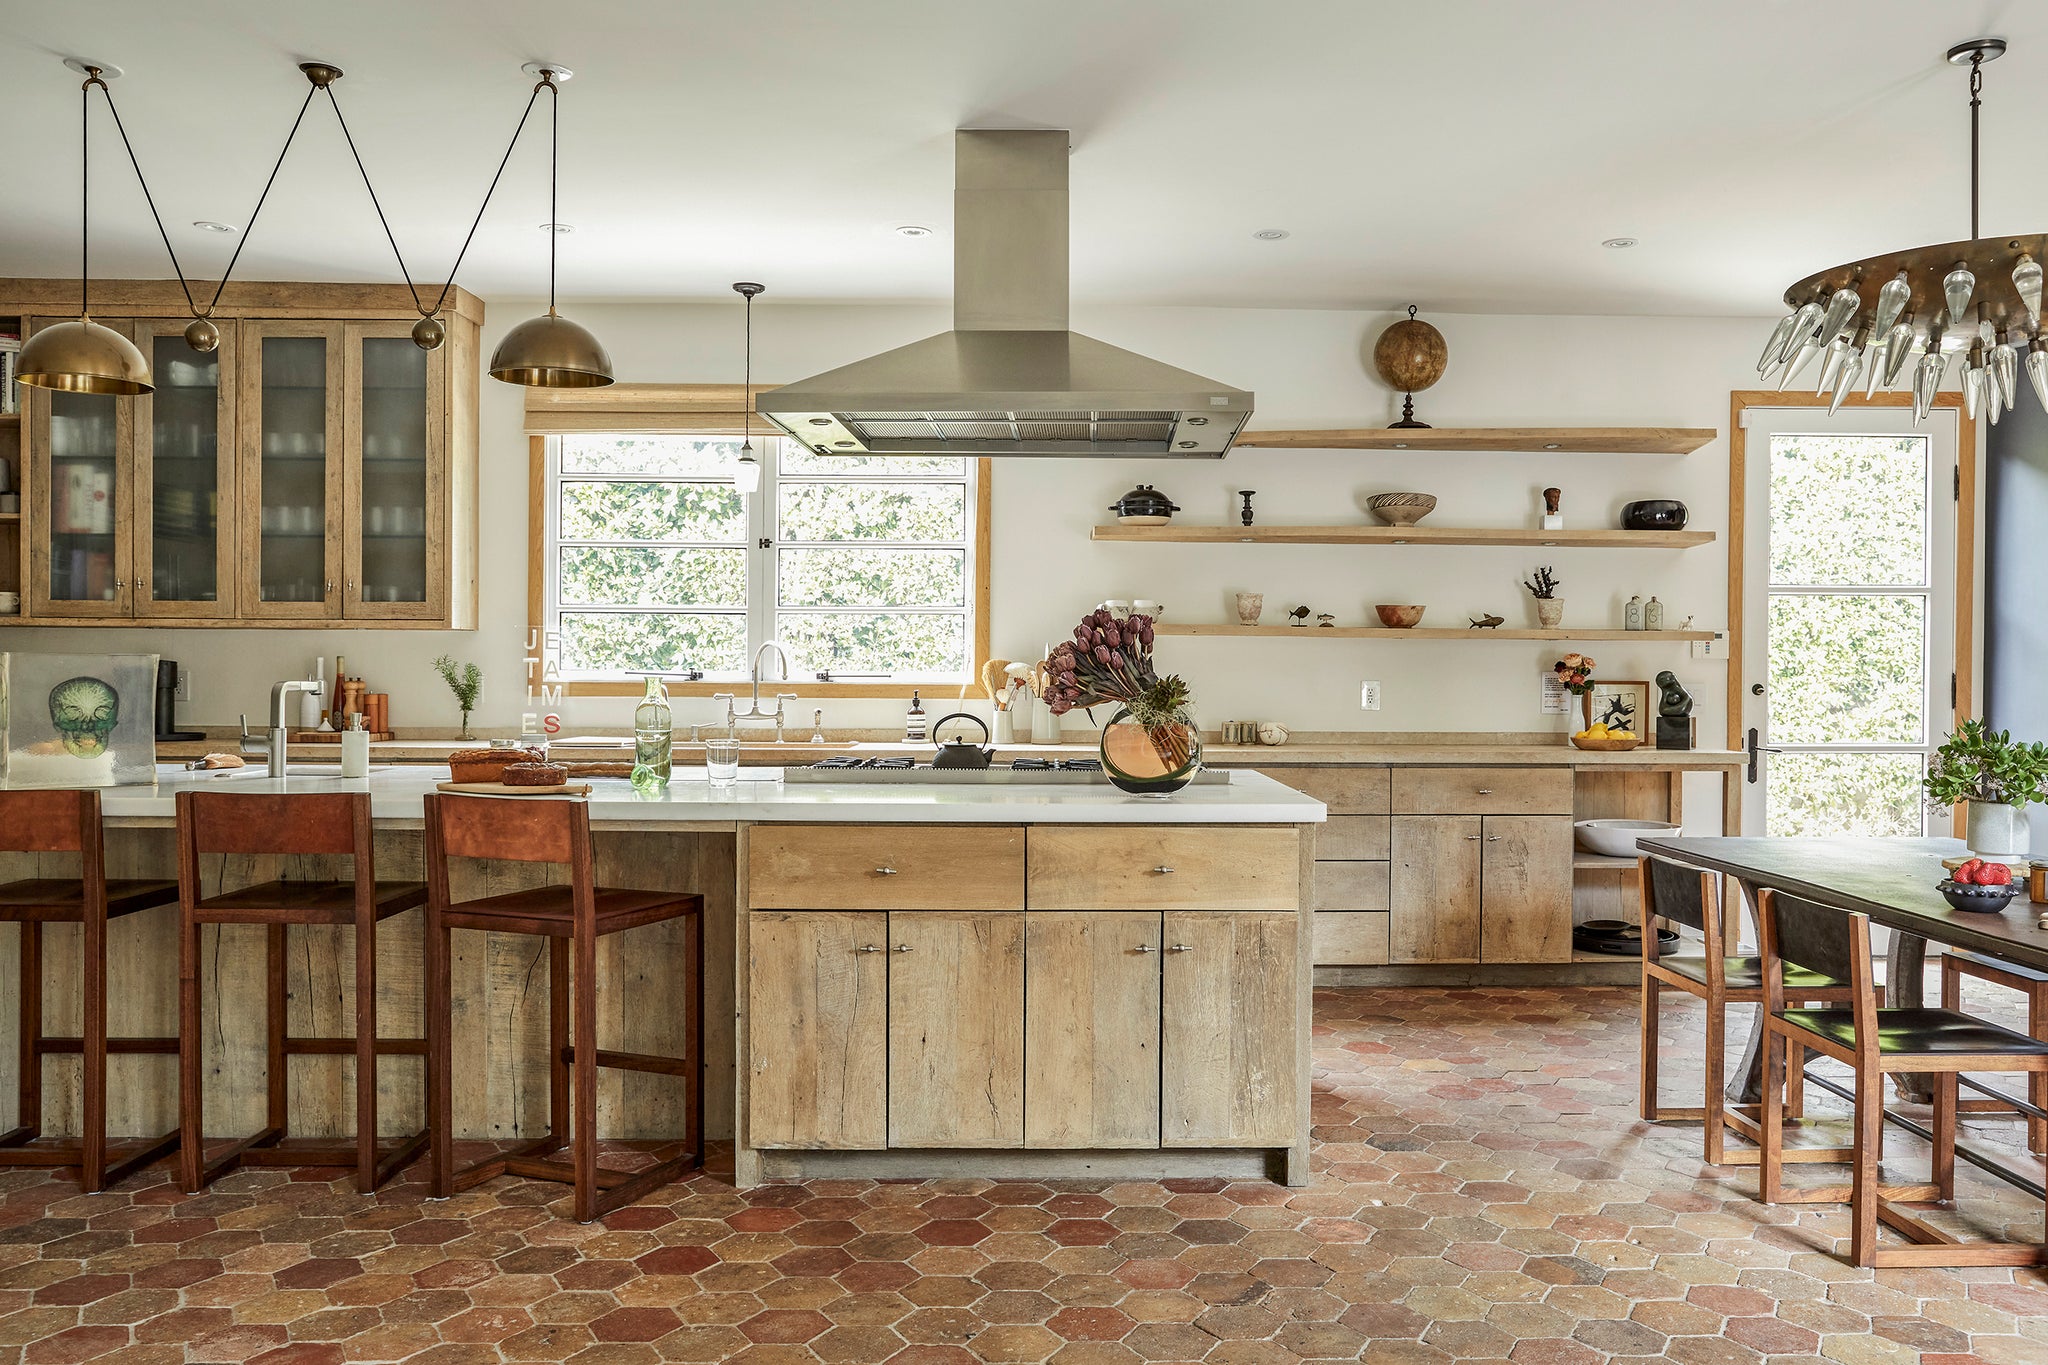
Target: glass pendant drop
(1800, 359)
(1831, 363)
(2005, 373)
(2037, 370)
(1841, 311)
(2026, 279)
(1845, 379)
(1956, 288)
(1891, 302)
(1898, 348)
(1775, 347)
(1973, 390)
(1927, 383)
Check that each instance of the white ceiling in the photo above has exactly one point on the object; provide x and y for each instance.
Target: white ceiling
(1468, 155)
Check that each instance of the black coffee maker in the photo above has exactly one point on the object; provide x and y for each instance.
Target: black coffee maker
(167, 703)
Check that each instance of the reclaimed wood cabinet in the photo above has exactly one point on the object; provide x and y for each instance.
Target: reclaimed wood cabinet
(1091, 1028)
(817, 1006)
(317, 469)
(956, 1029)
(1228, 1073)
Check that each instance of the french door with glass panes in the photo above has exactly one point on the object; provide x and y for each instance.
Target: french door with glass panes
(1848, 663)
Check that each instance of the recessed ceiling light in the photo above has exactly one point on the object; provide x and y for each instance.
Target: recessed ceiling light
(1619, 243)
(208, 225)
(913, 230)
(559, 229)
(1270, 234)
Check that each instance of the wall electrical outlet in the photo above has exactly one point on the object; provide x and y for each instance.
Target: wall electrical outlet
(1369, 696)
(184, 692)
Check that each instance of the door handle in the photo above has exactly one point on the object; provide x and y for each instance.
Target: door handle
(1493, 838)
(1756, 689)
(1754, 749)
(1181, 948)
(901, 948)
(1162, 870)
(867, 948)
(1471, 838)
(1144, 948)
(885, 872)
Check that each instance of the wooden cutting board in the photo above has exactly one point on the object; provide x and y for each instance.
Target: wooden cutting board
(501, 789)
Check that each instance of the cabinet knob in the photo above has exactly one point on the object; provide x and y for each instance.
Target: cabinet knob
(867, 948)
(885, 872)
(1162, 870)
(351, 586)
(1144, 948)
(118, 585)
(1180, 948)
(901, 948)
(1493, 838)
(1471, 838)
(1484, 791)
(330, 585)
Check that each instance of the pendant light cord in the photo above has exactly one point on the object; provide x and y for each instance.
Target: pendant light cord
(554, 172)
(747, 396)
(276, 166)
(382, 221)
(85, 196)
(1976, 100)
(143, 181)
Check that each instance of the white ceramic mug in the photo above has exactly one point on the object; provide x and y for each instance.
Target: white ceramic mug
(1116, 607)
(10, 604)
(1145, 606)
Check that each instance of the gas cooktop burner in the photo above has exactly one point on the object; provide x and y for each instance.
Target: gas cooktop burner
(904, 768)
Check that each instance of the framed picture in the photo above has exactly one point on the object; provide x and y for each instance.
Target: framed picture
(1623, 706)
(77, 720)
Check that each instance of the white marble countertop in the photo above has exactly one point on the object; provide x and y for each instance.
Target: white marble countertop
(760, 795)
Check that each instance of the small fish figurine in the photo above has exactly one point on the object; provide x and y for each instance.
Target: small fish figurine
(1300, 616)
(1486, 622)
(1325, 620)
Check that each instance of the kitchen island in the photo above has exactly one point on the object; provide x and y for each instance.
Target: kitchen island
(1012, 979)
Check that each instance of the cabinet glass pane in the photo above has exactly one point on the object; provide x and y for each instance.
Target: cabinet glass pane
(184, 473)
(394, 516)
(83, 490)
(294, 443)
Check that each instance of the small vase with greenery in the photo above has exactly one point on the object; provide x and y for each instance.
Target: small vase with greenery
(1549, 606)
(1995, 777)
(466, 681)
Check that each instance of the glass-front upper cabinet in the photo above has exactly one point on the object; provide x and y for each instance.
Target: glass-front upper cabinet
(394, 529)
(80, 515)
(293, 444)
(184, 489)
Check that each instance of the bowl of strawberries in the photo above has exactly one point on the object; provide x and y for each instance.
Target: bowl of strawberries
(1979, 884)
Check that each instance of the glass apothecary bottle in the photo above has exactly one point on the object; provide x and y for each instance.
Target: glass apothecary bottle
(653, 737)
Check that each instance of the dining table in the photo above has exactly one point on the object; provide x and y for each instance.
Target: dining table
(1893, 881)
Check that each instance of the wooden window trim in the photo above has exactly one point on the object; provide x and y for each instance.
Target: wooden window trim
(536, 588)
(1740, 401)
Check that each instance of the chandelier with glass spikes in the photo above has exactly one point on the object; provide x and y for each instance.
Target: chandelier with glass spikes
(1866, 321)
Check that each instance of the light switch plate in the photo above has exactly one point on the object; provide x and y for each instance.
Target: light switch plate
(1368, 696)
(1716, 648)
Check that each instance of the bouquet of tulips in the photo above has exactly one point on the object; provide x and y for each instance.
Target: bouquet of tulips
(1575, 671)
(1110, 660)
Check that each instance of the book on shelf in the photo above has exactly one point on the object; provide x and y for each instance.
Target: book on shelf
(10, 385)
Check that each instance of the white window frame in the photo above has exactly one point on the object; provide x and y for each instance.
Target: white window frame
(761, 548)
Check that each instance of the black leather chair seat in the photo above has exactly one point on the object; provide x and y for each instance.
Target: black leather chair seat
(1919, 1033)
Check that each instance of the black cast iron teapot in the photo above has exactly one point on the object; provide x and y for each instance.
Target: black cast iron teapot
(959, 753)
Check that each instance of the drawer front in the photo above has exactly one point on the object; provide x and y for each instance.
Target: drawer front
(1146, 867)
(1346, 791)
(1483, 791)
(1354, 838)
(1350, 940)
(1348, 887)
(885, 867)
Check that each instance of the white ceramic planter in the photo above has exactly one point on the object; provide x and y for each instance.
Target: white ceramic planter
(1549, 612)
(1996, 829)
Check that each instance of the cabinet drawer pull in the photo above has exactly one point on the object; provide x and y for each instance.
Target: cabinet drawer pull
(867, 948)
(330, 586)
(901, 948)
(1181, 948)
(885, 872)
(1144, 948)
(1162, 870)
(1471, 838)
(1484, 791)
(1493, 838)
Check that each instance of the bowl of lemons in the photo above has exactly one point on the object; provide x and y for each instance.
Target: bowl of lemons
(1599, 739)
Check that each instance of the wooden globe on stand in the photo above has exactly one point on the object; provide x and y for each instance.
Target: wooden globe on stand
(1410, 356)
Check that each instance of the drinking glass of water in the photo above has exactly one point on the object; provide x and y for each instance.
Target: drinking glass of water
(722, 761)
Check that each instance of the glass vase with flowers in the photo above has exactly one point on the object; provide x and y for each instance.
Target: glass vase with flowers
(1152, 746)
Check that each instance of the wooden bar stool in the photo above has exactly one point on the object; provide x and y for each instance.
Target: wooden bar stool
(69, 822)
(330, 824)
(1874, 1043)
(1957, 964)
(1692, 898)
(572, 918)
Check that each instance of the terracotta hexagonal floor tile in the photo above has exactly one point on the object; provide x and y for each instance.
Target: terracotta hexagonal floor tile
(785, 1325)
(1090, 1324)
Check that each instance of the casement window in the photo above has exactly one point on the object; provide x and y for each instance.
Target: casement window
(870, 570)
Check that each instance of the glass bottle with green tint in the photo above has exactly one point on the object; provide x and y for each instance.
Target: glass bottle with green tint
(653, 737)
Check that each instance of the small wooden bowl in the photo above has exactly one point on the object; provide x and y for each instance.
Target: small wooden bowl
(1399, 618)
(1606, 746)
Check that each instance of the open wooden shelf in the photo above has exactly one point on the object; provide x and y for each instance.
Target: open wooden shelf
(1593, 538)
(1429, 633)
(1530, 440)
(1584, 861)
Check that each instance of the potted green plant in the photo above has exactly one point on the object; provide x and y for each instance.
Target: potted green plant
(466, 681)
(1549, 606)
(1995, 777)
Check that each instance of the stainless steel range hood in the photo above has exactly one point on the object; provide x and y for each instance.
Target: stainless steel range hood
(1010, 379)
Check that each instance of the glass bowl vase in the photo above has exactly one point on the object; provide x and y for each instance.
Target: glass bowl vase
(1151, 761)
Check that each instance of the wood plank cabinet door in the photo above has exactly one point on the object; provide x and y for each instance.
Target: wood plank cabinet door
(1435, 899)
(1091, 1029)
(956, 1029)
(817, 1030)
(1229, 1065)
(79, 509)
(1527, 897)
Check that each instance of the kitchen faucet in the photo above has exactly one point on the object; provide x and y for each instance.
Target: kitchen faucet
(754, 711)
(274, 747)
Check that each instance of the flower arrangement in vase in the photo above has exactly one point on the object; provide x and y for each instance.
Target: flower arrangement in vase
(1152, 746)
(1575, 672)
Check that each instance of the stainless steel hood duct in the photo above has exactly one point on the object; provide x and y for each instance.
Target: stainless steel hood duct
(1010, 379)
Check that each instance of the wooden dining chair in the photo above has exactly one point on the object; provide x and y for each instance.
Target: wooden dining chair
(2032, 986)
(68, 822)
(571, 918)
(1691, 898)
(264, 825)
(1874, 1043)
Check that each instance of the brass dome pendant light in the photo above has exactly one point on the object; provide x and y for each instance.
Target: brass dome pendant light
(82, 356)
(551, 352)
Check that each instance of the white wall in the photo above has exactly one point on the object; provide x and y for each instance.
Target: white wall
(1308, 369)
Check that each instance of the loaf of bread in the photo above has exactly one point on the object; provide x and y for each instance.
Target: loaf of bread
(487, 765)
(534, 775)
